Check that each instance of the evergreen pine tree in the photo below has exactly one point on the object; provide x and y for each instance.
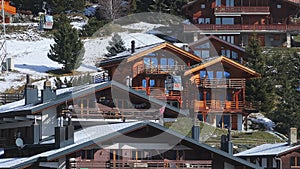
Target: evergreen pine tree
(68, 48)
(260, 90)
(159, 6)
(116, 45)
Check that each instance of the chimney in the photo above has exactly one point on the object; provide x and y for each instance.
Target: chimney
(64, 135)
(31, 92)
(196, 132)
(293, 136)
(48, 93)
(132, 47)
(226, 143)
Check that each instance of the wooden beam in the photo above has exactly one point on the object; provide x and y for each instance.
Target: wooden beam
(34, 117)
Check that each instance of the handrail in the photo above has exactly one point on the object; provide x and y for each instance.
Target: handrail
(220, 83)
(285, 27)
(144, 163)
(158, 69)
(242, 9)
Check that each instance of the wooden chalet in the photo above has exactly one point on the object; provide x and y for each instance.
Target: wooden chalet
(221, 98)
(274, 21)
(133, 145)
(9, 11)
(210, 86)
(212, 46)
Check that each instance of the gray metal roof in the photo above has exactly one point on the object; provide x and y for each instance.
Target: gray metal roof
(268, 150)
(75, 92)
(97, 134)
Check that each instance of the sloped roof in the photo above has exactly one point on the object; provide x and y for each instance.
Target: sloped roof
(223, 59)
(139, 52)
(98, 134)
(19, 108)
(276, 149)
(208, 38)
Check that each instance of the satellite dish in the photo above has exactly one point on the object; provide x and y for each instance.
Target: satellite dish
(19, 142)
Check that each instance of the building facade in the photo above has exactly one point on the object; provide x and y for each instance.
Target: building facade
(274, 22)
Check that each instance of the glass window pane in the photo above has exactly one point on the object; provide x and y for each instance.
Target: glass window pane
(207, 20)
(292, 161)
(223, 52)
(205, 54)
(144, 83)
(218, 20)
(147, 62)
(210, 74)
(227, 75)
(202, 74)
(228, 53)
(234, 55)
(197, 53)
(201, 20)
(171, 61)
(219, 74)
(218, 2)
(154, 62)
(227, 21)
(152, 83)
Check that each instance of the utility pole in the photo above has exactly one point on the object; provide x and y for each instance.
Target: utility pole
(3, 52)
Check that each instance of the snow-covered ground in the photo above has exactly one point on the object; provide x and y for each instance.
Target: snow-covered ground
(29, 53)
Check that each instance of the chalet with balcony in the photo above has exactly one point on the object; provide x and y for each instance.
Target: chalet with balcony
(213, 86)
(221, 98)
(274, 22)
(9, 11)
(132, 145)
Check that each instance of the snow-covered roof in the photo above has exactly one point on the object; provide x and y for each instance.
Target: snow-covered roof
(97, 134)
(268, 150)
(74, 92)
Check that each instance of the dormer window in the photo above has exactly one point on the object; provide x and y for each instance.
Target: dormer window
(278, 6)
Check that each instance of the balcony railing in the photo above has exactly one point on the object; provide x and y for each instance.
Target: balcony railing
(137, 164)
(218, 105)
(239, 27)
(242, 9)
(158, 69)
(220, 83)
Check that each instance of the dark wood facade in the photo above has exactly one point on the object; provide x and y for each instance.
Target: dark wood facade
(240, 18)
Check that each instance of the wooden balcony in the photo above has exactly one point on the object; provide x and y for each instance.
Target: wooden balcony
(240, 27)
(138, 164)
(243, 9)
(220, 83)
(158, 69)
(218, 105)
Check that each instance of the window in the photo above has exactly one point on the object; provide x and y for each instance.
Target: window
(203, 46)
(202, 6)
(218, 21)
(228, 53)
(144, 83)
(87, 154)
(227, 21)
(295, 161)
(218, 3)
(234, 55)
(230, 3)
(278, 6)
(207, 20)
(201, 20)
(152, 83)
(202, 74)
(205, 54)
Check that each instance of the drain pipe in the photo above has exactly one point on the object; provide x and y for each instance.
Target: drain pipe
(280, 162)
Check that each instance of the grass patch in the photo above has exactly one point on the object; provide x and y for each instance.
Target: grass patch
(212, 135)
(297, 38)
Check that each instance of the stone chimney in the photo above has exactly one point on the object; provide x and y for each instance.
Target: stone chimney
(226, 143)
(31, 92)
(47, 92)
(132, 47)
(293, 136)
